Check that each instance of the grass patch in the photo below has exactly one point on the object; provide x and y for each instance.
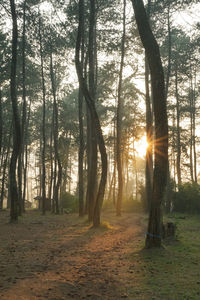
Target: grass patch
(172, 272)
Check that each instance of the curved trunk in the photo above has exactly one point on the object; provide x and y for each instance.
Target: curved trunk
(94, 115)
(153, 237)
(92, 179)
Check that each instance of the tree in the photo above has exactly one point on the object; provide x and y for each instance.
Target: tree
(43, 122)
(119, 118)
(95, 118)
(16, 121)
(153, 237)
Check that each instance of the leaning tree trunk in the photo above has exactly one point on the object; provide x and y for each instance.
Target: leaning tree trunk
(16, 120)
(119, 119)
(153, 236)
(94, 115)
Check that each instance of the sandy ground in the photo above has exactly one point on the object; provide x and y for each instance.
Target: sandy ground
(61, 257)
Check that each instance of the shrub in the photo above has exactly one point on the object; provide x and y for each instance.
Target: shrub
(187, 199)
(69, 202)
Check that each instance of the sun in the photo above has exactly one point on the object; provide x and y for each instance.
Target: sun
(141, 146)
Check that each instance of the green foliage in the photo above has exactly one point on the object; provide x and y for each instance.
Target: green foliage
(69, 202)
(187, 199)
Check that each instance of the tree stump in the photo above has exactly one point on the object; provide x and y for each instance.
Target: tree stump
(168, 230)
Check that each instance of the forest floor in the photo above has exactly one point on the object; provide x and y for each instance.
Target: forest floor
(61, 257)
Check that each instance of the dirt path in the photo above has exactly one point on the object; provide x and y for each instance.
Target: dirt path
(60, 257)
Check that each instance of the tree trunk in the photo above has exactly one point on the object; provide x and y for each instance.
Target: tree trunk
(92, 179)
(168, 187)
(16, 121)
(43, 124)
(26, 154)
(57, 156)
(1, 122)
(178, 160)
(194, 127)
(149, 134)
(169, 51)
(51, 161)
(153, 236)
(23, 123)
(5, 165)
(94, 116)
(191, 134)
(80, 156)
(119, 119)
(81, 137)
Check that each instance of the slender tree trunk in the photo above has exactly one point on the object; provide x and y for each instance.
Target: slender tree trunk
(24, 109)
(194, 129)
(191, 135)
(26, 154)
(81, 137)
(1, 122)
(178, 160)
(81, 155)
(51, 161)
(149, 134)
(169, 51)
(119, 119)
(5, 165)
(94, 115)
(92, 182)
(57, 156)
(153, 236)
(43, 181)
(168, 187)
(16, 120)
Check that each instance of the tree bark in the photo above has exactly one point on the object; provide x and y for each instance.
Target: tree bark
(94, 115)
(81, 137)
(119, 118)
(1, 122)
(24, 110)
(92, 179)
(5, 165)
(153, 236)
(26, 154)
(81, 156)
(149, 134)
(55, 131)
(43, 124)
(16, 120)
(178, 160)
